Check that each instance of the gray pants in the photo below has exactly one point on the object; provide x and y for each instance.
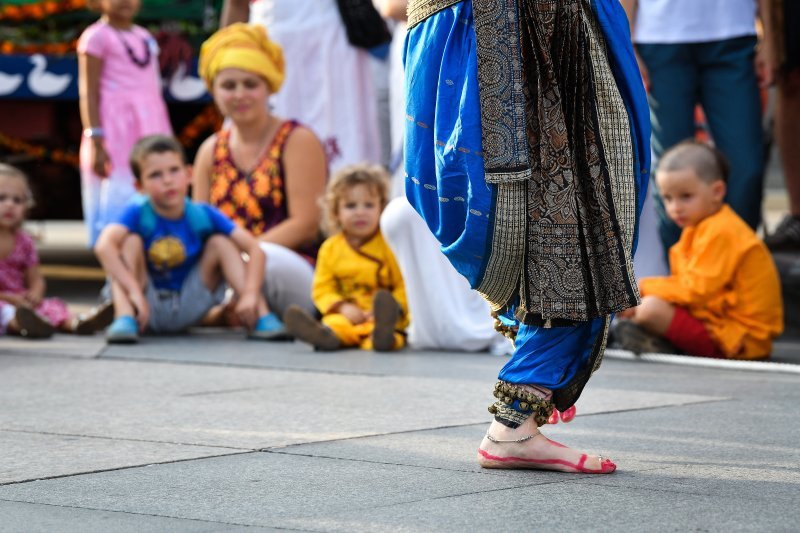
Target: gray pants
(174, 311)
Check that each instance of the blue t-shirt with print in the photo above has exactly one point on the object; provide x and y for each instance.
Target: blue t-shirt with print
(172, 247)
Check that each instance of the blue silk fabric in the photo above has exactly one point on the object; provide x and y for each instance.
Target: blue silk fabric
(445, 169)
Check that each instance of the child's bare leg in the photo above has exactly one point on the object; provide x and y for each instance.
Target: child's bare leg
(132, 252)
(654, 315)
(222, 260)
(525, 447)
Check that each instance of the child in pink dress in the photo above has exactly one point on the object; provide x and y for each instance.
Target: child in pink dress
(121, 101)
(23, 308)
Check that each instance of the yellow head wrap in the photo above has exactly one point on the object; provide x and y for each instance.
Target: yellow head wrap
(242, 46)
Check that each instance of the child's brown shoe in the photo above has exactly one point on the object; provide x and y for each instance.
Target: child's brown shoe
(628, 336)
(385, 311)
(306, 328)
(97, 319)
(31, 325)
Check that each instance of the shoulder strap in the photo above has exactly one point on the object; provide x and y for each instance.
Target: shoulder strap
(198, 219)
(147, 216)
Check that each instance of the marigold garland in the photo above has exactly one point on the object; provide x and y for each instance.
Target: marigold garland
(39, 152)
(9, 47)
(39, 10)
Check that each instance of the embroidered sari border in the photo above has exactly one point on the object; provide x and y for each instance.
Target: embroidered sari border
(419, 10)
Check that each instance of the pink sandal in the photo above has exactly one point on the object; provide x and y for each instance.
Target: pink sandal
(492, 461)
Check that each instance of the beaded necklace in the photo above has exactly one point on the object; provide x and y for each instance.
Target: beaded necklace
(141, 63)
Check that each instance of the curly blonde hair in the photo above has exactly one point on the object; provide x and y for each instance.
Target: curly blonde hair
(373, 176)
(8, 171)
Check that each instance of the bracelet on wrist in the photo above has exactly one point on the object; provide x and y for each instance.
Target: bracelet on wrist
(91, 133)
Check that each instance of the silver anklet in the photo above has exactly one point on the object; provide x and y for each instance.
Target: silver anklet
(501, 441)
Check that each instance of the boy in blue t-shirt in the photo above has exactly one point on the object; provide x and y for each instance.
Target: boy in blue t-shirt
(169, 258)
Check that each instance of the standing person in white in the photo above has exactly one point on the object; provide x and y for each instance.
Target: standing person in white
(328, 85)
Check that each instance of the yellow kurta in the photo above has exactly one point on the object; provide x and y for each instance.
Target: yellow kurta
(347, 274)
(724, 276)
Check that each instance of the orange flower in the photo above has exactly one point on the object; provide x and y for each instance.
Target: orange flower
(218, 190)
(12, 12)
(227, 209)
(252, 208)
(240, 193)
(277, 197)
(261, 185)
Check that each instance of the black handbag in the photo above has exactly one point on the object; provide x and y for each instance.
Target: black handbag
(364, 25)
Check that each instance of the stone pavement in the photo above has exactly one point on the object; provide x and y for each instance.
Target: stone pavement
(209, 432)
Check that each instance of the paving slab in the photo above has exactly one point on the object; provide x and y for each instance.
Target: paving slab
(249, 408)
(263, 489)
(85, 347)
(221, 406)
(706, 444)
(37, 518)
(28, 455)
(229, 348)
(563, 506)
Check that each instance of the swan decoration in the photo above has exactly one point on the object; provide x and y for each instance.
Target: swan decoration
(10, 82)
(185, 88)
(43, 83)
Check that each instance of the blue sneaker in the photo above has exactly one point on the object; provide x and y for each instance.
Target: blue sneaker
(123, 330)
(270, 328)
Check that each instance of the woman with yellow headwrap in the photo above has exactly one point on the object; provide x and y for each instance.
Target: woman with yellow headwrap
(263, 171)
(329, 84)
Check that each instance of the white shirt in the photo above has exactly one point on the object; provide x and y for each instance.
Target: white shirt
(693, 21)
(297, 15)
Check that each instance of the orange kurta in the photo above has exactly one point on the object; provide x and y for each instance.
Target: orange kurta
(724, 276)
(347, 274)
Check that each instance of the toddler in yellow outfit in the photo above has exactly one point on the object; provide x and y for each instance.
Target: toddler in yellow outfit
(357, 284)
(722, 297)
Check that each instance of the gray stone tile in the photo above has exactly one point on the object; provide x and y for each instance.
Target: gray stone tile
(707, 440)
(455, 448)
(28, 456)
(34, 518)
(225, 347)
(263, 489)
(60, 345)
(249, 408)
(564, 506)
(221, 406)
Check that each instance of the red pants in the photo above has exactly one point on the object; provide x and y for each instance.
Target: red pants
(691, 336)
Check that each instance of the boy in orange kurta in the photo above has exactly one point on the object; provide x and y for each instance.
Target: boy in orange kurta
(357, 284)
(722, 297)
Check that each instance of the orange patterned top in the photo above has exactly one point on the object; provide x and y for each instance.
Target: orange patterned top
(255, 200)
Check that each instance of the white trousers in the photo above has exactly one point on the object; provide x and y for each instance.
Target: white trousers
(445, 313)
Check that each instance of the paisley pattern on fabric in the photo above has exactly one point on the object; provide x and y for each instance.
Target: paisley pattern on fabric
(578, 255)
(501, 81)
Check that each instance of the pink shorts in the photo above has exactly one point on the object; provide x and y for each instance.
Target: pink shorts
(691, 336)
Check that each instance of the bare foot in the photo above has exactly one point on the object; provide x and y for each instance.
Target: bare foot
(537, 452)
